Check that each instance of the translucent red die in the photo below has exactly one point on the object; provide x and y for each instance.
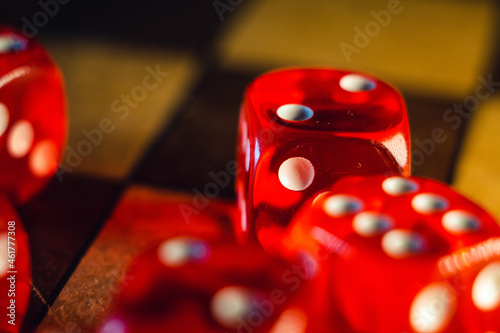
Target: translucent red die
(15, 268)
(186, 284)
(403, 254)
(301, 130)
(33, 122)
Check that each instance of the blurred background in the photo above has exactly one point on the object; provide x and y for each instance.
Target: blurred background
(173, 129)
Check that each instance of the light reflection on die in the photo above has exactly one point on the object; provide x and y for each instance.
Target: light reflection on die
(304, 130)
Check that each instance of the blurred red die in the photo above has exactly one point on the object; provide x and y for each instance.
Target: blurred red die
(33, 122)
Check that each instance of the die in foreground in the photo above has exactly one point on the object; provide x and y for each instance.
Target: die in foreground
(301, 130)
(15, 269)
(33, 122)
(188, 285)
(404, 255)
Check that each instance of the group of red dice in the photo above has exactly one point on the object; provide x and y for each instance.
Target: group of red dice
(33, 127)
(333, 234)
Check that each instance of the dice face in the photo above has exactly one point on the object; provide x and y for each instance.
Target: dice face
(188, 285)
(404, 254)
(15, 268)
(302, 130)
(33, 122)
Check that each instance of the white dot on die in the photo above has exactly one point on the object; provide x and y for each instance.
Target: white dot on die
(486, 288)
(369, 224)
(340, 205)
(5, 44)
(4, 118)
(9, 43)
(4, 263)
(179, 251)
(433, 308)
(428, 203)
(294, 112)
(296, 173)
(43, 159)
(292, 320)
(460, 222)
(20, 139)
(399, 186)
(401, 243)
(230, 304)
(356, 83)
(113, 325)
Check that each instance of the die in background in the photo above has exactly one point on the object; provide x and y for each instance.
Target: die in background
(33, 121)
(186, 284)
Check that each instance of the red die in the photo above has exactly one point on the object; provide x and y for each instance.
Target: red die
(402, 253)
(300, 130)
(15, 269)
(33, 120)
(188, 285)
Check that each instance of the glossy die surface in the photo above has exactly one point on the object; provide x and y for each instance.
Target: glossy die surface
(301, 130)
(476, 269)
(33, 120)
(15, 268)
(188, 285)
(403, 254)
